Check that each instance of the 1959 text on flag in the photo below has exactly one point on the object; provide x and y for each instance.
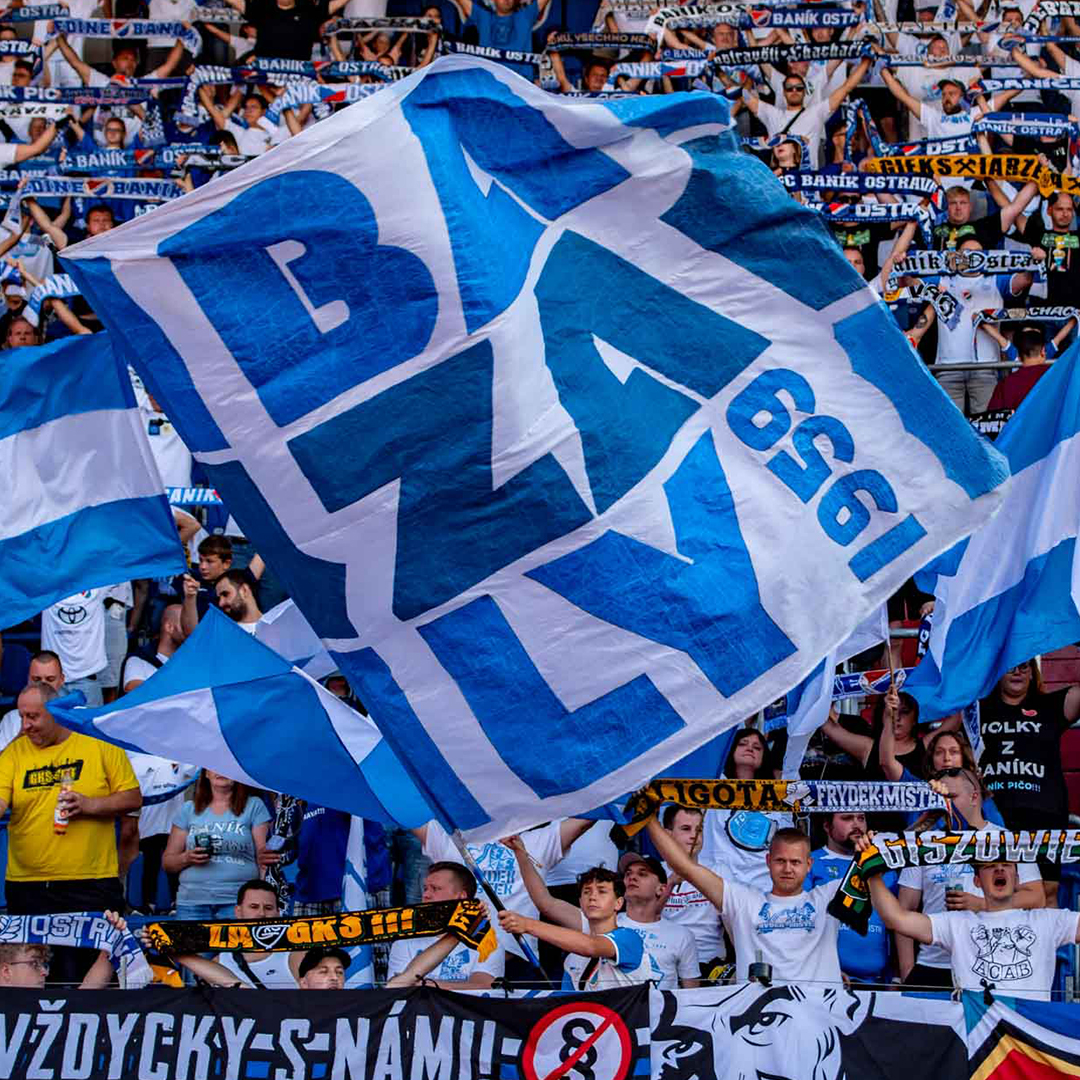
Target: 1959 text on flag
(574, 438)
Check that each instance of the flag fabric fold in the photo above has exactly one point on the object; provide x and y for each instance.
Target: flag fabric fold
(84, 503)
(228, 703)
(1009, 592)
(604, 451)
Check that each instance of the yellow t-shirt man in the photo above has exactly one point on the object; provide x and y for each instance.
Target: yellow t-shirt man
(30, 780)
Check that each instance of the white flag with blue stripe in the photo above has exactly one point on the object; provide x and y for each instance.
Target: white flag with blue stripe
(571, 434)
(228, 703)
(83, 504)
(1012, 590)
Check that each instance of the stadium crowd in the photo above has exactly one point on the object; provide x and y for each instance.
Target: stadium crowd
(706, 894)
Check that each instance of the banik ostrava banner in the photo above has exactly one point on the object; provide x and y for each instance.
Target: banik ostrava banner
(797, 1033)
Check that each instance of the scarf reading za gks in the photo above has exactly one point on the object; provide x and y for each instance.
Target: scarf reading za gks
(892, 851)
(467, 920)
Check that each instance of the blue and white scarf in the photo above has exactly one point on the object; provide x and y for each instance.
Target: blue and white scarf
(313, 93)
(81, 930)
(119, 29)
(312, 69)
(505, 56)
(962, 144)
(992, 86)
(864, 183)
(863, 212)
(54, 287)
(1036, 124)
(32, 14)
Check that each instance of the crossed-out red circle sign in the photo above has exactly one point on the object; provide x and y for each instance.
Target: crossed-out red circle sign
(578, 1040)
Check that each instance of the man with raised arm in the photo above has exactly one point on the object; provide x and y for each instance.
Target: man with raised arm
(1004, 947)
(788, 928)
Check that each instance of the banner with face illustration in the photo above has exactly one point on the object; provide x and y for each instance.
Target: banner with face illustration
(748, 1031)
(805, 1032)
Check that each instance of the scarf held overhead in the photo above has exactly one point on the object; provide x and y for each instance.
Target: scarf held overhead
(467, 920)
(818, 796)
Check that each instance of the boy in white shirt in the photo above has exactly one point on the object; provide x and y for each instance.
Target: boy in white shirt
(601, 954)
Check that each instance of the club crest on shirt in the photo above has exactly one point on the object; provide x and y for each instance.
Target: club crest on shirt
(1004, 952)
(801, 917)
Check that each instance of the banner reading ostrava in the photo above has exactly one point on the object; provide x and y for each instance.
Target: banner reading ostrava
(800, 1033)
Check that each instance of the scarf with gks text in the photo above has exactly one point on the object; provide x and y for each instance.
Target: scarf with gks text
(818, 796)
(892, 851)
(467, 920)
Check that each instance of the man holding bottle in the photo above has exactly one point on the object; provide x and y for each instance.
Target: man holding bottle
(65, 791)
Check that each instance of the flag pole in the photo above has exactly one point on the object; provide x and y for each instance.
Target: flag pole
(492, 895)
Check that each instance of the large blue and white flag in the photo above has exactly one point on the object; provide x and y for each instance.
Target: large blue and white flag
(1012, 590)
(84, 505)
(571, 434)
(228, 703)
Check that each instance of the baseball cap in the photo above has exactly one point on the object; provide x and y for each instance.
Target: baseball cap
(314, 957)
(14, 290)
(949, 80)
(654, 865)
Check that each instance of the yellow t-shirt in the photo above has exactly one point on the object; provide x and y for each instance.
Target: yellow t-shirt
(30, 782)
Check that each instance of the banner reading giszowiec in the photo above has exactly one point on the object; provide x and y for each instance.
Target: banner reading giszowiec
(605, 448)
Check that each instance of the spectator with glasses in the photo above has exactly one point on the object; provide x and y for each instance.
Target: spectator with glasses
(1022, 727)
(26, 967)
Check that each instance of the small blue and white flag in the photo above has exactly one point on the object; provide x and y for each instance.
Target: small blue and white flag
(84, 505)
(1012, 590)
(603, 449)
(228, 703)
(285, 630)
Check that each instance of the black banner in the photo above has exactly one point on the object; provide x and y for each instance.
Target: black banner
(424, 1034)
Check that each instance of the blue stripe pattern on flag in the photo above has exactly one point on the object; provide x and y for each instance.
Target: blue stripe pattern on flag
(1013, 590)
(84, 503)
(633, 451)
(228, 703)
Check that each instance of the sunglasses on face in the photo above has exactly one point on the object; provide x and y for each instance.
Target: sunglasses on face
(794, 86)
(948, 772)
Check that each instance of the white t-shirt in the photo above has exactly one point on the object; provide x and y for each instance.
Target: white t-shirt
(737, 841)
(593, 848)
(157, 776)
(958, 340)
(457, 967)
(10, 727)
(273, 972)
(168, 11)
(7, 154)
(74, 629)
(942, 125)
(138, 668)
(932, 881)
(499, 867)
(810, 125)
(688, 907)
(794, 934)
(173, 458)
(632, 965)
(1015, 950)
(256, 139)
(671, 947)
